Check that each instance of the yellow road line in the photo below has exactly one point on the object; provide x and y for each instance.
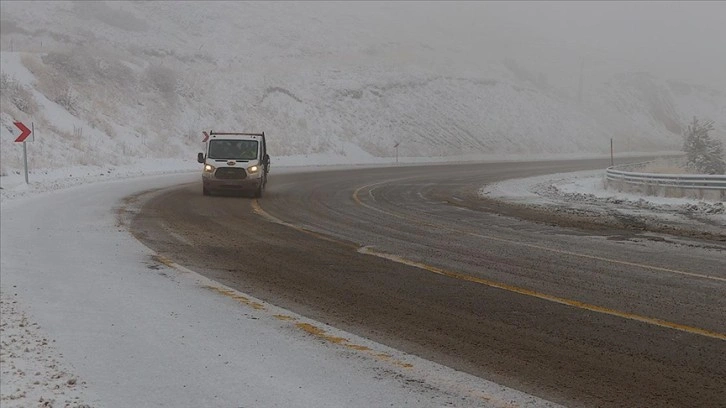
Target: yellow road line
(322, 334)
(515, 289)
(236, 296)
(532, 293)
(309, 328)
(264, 214)
(163, 260)
(357, 191)
(539, 247)
(318, 332)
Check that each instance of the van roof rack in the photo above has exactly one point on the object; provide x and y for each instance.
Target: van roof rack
(213, 133)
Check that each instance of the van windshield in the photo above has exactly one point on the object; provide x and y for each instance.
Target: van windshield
(233, 149)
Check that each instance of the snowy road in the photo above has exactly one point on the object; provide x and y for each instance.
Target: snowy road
(413, 257)
(91, 316)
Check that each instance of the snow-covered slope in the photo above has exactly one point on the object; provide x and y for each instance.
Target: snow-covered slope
(117, 82)
(658, 110)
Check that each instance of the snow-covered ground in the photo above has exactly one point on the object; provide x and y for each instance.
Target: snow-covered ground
(91, 317)
(586, 191)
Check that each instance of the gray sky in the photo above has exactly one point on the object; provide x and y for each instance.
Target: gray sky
(680, 40)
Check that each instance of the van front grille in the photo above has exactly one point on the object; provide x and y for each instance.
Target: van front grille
(230, 173)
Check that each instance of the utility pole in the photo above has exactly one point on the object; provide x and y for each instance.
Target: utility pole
(579, 88)
(396, 146)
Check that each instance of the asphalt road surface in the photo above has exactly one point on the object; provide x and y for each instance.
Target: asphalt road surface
(411, 257)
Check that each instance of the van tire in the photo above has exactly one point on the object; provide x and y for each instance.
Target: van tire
(206, 192)
(258, 191)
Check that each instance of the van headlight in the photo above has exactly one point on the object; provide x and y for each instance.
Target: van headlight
(253, 169)
(208, 168)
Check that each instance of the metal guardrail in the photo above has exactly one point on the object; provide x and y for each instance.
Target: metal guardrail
(685, 181)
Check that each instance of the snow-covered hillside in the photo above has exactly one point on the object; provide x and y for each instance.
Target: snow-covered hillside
(112, 83)
(641, 104)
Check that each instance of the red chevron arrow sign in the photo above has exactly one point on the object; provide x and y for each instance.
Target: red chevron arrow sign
(24, 131)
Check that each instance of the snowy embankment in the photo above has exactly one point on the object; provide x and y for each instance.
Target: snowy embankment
(586, 191)
(91, 317)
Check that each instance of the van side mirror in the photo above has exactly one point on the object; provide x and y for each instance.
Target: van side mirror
(200, 157)
(266, 159)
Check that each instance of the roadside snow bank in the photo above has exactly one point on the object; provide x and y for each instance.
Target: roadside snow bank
(31, 366)
(13, 186)
(586, 191)
(586, 186)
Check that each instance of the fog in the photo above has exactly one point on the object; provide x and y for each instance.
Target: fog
(443, 79)
(684, 41)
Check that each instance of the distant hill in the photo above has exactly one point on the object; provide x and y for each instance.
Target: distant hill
(114, 83)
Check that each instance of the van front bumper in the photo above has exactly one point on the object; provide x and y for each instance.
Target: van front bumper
(248, 184)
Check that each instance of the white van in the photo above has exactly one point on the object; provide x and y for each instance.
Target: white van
(235, 162)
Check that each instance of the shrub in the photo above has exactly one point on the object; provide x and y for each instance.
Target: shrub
(163, 79)
(63, 95)
(703, 153)
(18, 94)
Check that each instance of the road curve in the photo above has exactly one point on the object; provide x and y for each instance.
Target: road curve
(410, 257)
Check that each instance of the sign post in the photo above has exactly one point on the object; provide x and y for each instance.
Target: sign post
(25, 161)
(24, 133)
